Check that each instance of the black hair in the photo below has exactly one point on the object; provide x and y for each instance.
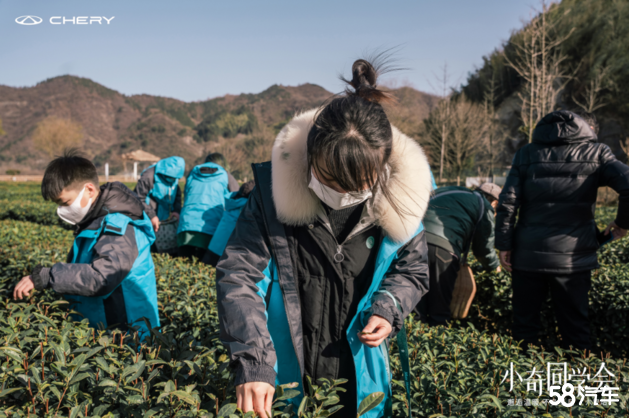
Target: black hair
(589, 118)
(351, 138)
(216, 158)
(70, 170)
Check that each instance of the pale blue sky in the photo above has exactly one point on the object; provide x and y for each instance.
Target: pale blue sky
(194, 50)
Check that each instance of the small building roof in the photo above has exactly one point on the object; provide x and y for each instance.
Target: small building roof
(140, 155)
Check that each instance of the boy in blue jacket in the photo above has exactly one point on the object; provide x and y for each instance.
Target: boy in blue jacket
(109, 276)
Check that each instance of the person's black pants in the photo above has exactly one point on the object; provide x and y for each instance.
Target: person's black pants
(443, 267)
(210, 258)
(188, 251)
(569, 295)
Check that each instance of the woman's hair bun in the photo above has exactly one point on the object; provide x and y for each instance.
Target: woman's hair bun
(364, 82)
(363, 74)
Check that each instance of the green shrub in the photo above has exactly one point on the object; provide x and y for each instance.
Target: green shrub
(43, 213)
(51, 364)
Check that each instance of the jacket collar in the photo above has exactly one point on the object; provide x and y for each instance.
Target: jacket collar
(114, 197)
(296, 204)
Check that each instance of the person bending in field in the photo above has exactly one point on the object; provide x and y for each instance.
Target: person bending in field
(219, 159)
(456, 221)
(109, 276)
(158, 187)
(328, 255)
(233, 207)
(204, 204)
(545, 227)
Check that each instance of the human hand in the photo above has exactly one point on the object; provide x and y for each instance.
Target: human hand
(616, 231)
(255, 396)
(155, 223)
(23, 288)
(175, 215)
(505, 260)
(375, 332)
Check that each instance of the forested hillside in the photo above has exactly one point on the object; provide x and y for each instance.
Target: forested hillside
(593, 73)
(572, 54)
(242, 127)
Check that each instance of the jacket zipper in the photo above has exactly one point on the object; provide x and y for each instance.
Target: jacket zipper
(338, 256)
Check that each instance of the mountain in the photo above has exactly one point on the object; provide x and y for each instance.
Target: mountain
(115, 124)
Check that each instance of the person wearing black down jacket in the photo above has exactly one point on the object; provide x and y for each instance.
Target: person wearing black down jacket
(551, 190)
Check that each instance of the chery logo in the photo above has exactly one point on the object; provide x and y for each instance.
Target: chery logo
(63, 20)
(29, 20)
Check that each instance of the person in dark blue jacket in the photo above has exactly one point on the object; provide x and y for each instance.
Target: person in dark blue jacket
(205, 194)
(226, 226)
(109, 276)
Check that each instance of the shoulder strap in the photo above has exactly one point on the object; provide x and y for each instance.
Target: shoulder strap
(116, 223)
(480, 218)
(402, 344)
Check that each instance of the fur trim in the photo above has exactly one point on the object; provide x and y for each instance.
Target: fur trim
(410, 181)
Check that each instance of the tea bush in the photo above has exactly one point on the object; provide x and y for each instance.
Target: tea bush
(51, 365)
(23, 202)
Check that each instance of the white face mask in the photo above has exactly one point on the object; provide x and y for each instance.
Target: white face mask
(334, 199)
(74, 213)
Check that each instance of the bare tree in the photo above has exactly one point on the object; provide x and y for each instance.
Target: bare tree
(495, 137)
(468, 132)
(442, 117)
(53, 135)
(592, 98)
(435, 131)
(539, 62)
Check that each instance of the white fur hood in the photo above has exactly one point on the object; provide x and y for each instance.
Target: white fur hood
(409, 181)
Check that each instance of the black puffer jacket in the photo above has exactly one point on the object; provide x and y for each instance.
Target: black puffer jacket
(552, 189)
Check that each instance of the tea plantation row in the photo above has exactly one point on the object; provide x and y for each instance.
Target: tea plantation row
(53, 366)
(491, 310)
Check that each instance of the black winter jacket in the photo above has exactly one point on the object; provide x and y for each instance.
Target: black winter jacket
(551, 189)
(281, 252)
